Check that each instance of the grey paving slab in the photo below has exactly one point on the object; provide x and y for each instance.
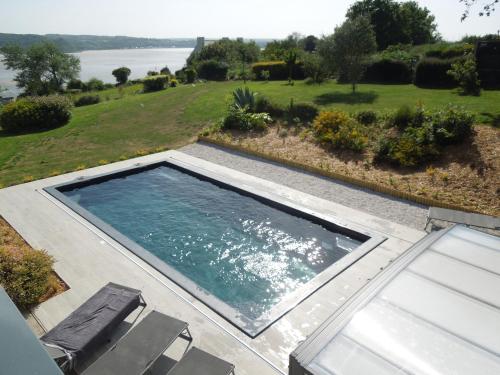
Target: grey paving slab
(381, 205)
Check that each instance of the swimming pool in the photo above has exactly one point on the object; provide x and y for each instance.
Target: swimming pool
(246, 256)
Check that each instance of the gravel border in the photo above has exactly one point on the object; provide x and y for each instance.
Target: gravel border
(397, 210)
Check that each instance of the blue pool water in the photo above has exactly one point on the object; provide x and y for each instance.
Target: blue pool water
(246, 253)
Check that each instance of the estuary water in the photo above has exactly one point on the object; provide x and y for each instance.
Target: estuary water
(100, 64)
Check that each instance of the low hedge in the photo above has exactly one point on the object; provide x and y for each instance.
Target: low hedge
(36, 113)
(155, 83)
(212, 70)
(278, 71)
(432, 72)
(388, 71)
(87, 100)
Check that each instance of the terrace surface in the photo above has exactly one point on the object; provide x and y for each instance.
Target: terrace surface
(86, 259)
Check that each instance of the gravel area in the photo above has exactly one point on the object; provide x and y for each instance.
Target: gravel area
(400, 211)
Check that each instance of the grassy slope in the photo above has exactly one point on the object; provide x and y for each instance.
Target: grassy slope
(120, 128)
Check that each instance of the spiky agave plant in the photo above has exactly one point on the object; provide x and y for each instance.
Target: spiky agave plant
(244, 98)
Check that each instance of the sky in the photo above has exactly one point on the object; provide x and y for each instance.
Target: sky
(210, 18)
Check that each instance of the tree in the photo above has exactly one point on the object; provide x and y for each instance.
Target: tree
(165, 71)
(417, 24)
(465, 73)
(395, 23)
(309, 43)
(121, 74)
(42, 69)
(347, 50)
(290, 59)
(315, 68)
(487, 7)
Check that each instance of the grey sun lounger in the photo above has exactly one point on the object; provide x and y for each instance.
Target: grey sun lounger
(88, 328)
(198, 362)
(135, 353)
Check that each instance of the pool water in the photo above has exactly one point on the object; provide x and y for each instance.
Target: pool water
(244, 252)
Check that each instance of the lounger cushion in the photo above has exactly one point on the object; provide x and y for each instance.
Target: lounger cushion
(92, 324)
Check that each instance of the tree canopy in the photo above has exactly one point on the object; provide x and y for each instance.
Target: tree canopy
(348, 48)
(227, 51)
(486, 7)
(121, 74)
(395, 23)
(41, 69)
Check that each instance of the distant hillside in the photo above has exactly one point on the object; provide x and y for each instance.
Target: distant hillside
(76, 43)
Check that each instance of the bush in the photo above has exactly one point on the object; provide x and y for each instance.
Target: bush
(25, 274)
(450, 51)
(94, 84)
(75, 84)
(388, 71)
(213, 70)
(278, 70)
(466, 76)
(403, 117)
(174, 82)
(87, 100)
(244, 98)
(190, 75)
(152, 73)
(263, 105)
(327, 123)
(165, 71)
(413, 147)
(302, 111)
(367, 117)
(432, 72)
(452, 125)
(240, 119)
(339, 130)
(34, 113)
(155, 83)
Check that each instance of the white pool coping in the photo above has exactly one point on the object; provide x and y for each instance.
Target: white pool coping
(86, 259)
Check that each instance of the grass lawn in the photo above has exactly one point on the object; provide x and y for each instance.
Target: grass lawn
(128, 123)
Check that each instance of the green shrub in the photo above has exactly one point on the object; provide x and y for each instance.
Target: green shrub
(339, 130)
(447, 51)
(75, 84)
(367, 117)
(155, 83)
(263, 105)
(278, 70)
(388, 71)
(302, 111)
(403, 117)
(240, 119)
(432, 72)
(165, 71)
(213, 70)
(415, 146)
(94, 84)
(35, 113)
(350, 136)
(452, 125)
(25, 274)
(174, 82)
(87, 100)
(466, 76)
(244, 98)
(190, 74)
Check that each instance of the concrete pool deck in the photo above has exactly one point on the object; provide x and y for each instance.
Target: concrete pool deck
(86, 259)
